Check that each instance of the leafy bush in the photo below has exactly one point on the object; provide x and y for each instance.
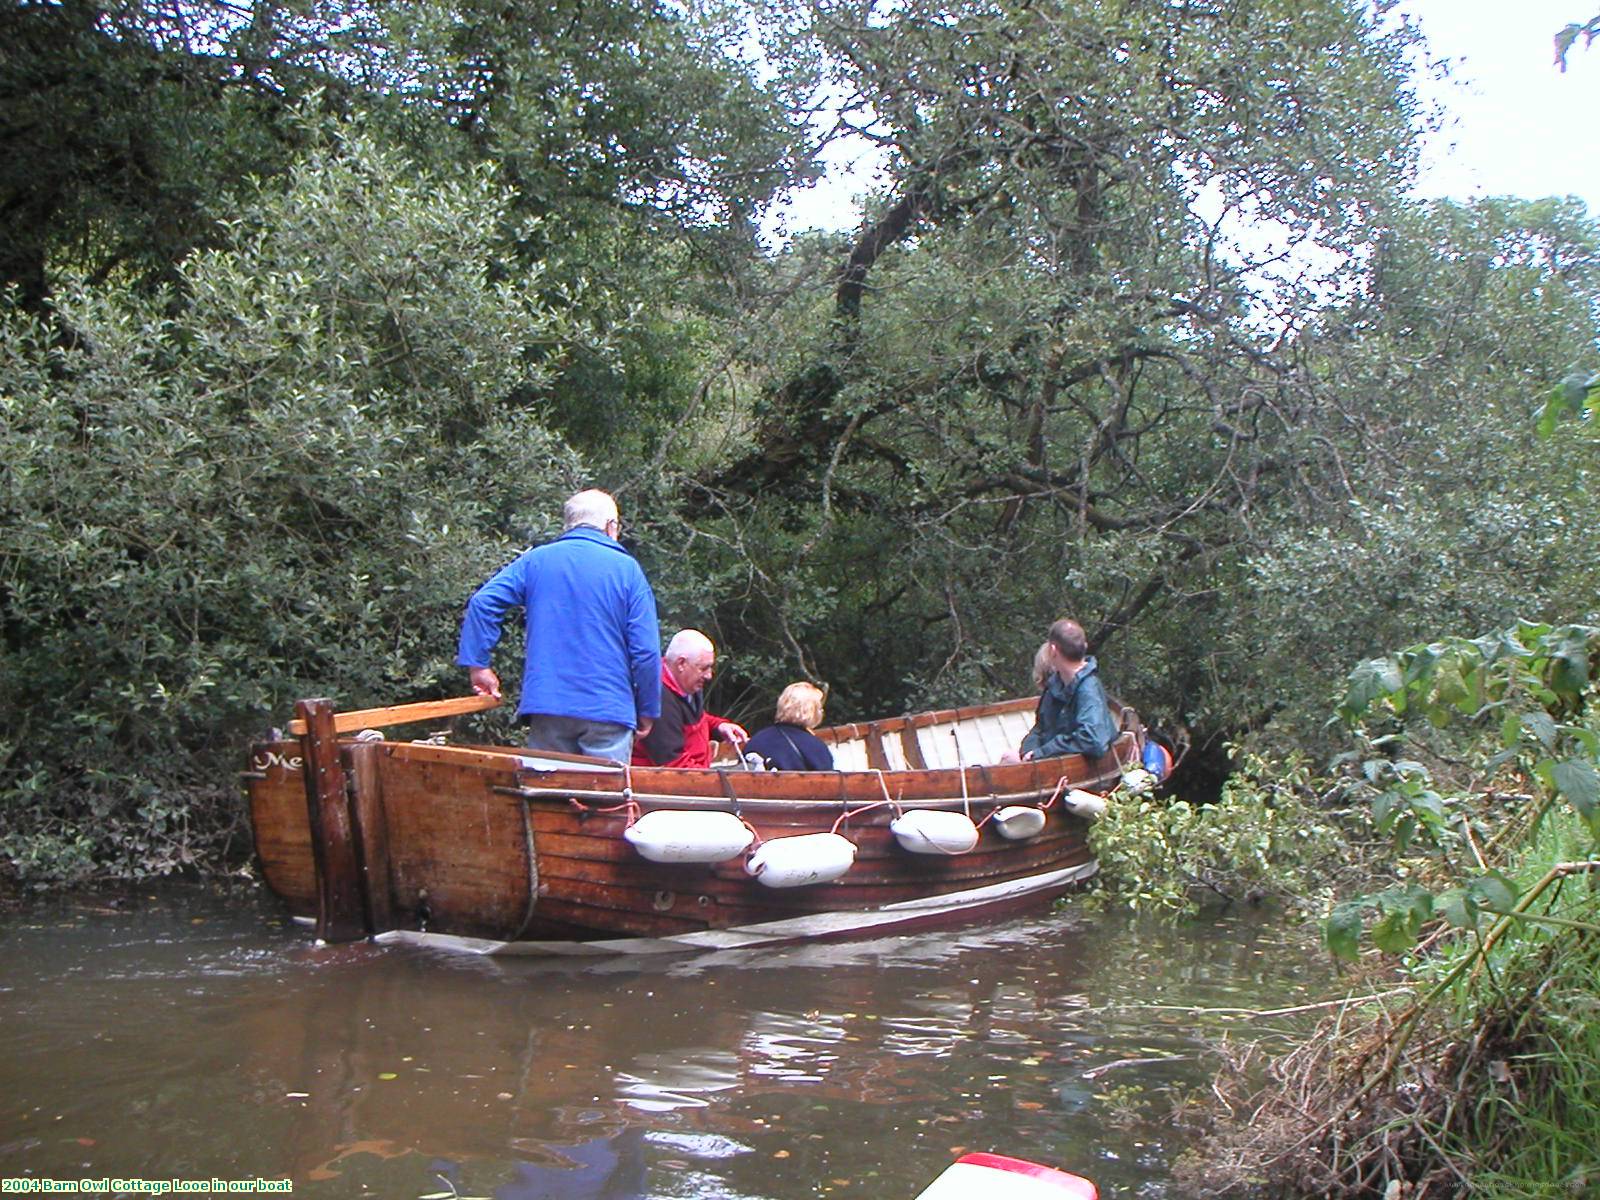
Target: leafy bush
(1525, 690)
(289, 473)
(1268, 836)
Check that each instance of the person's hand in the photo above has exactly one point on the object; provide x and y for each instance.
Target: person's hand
(734, 735)
(646, 724)
(485, 682)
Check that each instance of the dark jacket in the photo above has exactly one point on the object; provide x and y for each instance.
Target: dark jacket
(791, 748)
(1073, 718)
(682, 734)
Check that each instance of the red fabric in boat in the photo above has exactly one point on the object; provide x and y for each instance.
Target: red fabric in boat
(696, 749)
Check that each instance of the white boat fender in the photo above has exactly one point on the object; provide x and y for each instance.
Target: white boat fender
(1084, 804)
(930, 831)
(1017, 821)
(670, 835)
(804, 859)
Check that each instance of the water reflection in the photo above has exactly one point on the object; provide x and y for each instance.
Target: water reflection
(146, 1044)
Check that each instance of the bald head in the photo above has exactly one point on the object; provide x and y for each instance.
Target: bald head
(593, 508)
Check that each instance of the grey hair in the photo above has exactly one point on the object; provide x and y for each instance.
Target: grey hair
(592, 508)
(687, 642)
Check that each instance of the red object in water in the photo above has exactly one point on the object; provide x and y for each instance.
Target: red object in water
(998, 1177)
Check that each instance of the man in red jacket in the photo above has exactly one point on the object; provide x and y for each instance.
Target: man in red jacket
(681, 736)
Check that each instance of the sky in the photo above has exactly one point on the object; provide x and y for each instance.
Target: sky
(1519, 126)
(1516, 125)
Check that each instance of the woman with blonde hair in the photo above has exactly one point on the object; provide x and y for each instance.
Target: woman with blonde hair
(1042, 669)
(788, 743)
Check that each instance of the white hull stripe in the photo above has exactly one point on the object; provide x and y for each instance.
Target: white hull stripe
(767, 933)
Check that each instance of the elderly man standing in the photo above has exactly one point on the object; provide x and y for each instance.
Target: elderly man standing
(591, 676)
(682, 737)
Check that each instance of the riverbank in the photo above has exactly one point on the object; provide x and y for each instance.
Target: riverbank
(1473, 1063)
(1474, 1067)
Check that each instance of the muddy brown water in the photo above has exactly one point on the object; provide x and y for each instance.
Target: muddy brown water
(182, 1035)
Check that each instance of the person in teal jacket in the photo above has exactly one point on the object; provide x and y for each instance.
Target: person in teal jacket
(592, 676)
(1073, 715)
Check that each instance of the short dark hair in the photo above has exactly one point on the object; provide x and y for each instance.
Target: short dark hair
(1069, 638)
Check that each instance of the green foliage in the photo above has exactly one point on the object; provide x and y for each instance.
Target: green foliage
(271, 401)
(282, 480)
(1572, 397)
(1555, 1115)
(1268, 836)
(1524, 690)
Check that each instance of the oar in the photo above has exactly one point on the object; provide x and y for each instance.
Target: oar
(401, 714)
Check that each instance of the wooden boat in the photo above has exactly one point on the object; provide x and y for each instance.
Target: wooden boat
(498, 849)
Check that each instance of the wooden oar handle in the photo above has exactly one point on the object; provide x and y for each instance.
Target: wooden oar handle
(401, 714)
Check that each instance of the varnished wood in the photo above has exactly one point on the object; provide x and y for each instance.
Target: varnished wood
(371, 833)
(341, 914)
(500, 843)
(401, 714)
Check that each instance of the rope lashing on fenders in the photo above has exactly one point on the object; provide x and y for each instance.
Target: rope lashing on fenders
(1061, 790)
(628, 804)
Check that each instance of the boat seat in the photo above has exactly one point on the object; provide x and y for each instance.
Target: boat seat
(973, 741)
(850, 755)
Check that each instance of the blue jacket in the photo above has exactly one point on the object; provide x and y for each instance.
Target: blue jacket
(593, 640)
(1073, 718)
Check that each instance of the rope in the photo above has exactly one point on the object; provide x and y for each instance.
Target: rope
(1061, 790)
(852, 812)
(966, 801)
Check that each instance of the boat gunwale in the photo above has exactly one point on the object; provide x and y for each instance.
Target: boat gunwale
(846, 805)
(521, 758)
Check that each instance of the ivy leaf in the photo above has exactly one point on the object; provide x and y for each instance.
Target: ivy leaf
(1404, 911)
(1572, 393)
(1542, 726)
(1393, 933)
(1421, 663)
(1459, 908)
(1569, 663)
(1494, 892)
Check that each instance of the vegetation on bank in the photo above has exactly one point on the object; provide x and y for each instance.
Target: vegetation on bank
(1453, 858)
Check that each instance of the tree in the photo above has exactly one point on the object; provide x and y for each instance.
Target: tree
(280, 479)
(1038, 362)
(121, 126)
(1446, 507)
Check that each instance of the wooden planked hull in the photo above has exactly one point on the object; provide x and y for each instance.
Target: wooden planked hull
(496, 849)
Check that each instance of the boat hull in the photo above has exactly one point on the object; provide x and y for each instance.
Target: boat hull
(496, 850)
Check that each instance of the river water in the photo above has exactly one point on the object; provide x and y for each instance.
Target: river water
(185, 1035)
